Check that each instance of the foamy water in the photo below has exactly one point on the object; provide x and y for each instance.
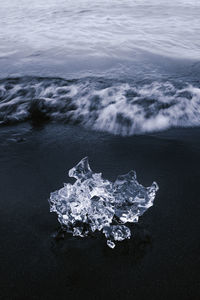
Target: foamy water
(124, 67)
(117, 107)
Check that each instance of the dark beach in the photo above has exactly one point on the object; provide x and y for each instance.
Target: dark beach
(119, 82)
(160, 261)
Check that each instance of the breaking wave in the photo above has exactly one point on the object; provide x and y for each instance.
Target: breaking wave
(118, 107)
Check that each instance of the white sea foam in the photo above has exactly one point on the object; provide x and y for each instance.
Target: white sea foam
(123, 108)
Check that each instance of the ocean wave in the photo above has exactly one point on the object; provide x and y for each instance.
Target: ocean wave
(117, 107)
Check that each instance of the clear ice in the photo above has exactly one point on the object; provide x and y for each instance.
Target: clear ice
(93, 203)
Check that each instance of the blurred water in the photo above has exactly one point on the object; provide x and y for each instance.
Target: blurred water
(84, 34)
(125, 67)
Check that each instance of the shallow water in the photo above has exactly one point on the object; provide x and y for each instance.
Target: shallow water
(67, 36)
(122, 107)
(124, 67)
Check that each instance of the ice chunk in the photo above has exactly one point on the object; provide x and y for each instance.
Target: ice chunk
(93, 203)
(110, 244)
(116, 233)
(81, 170)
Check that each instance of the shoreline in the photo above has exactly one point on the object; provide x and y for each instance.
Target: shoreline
(161, 258)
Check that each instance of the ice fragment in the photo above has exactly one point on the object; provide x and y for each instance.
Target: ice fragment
(93, 203)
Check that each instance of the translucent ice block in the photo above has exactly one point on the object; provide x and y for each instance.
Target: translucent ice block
(93, 203)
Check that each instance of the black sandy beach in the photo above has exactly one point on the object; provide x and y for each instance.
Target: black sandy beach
(160, 261)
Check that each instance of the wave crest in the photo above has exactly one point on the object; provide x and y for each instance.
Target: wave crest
(123, 108)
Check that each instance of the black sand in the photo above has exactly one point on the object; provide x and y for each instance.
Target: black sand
(162, 259)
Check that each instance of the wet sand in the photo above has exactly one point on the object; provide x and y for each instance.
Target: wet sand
(160, 261)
